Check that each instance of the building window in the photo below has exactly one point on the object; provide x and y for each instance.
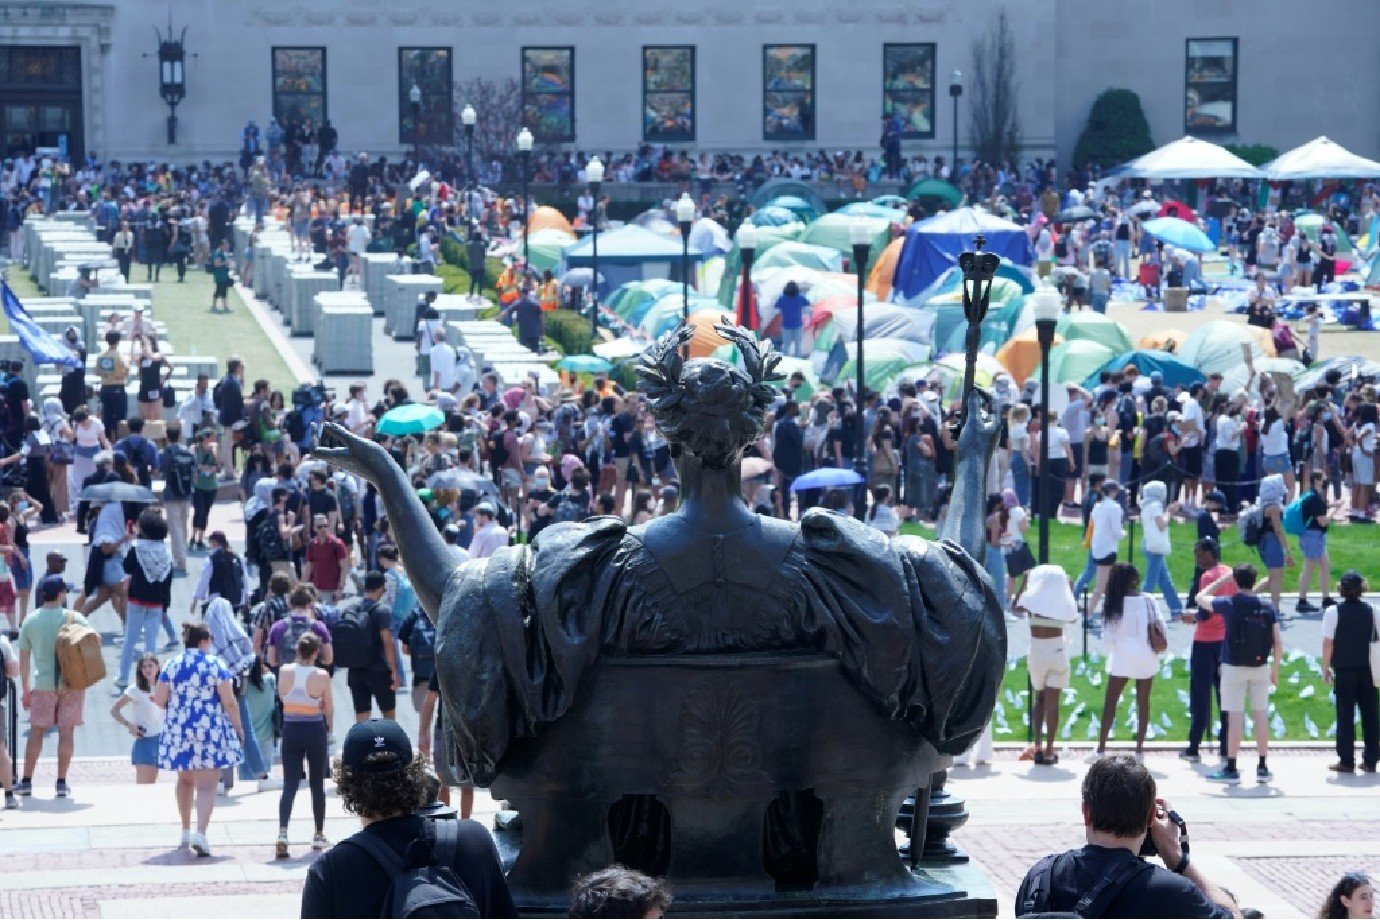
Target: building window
(299, 85)
(1210, 86)
(668, 93)
(788, 92)
(548, 93)
(908, 87)
(40, 67)
(429, 69)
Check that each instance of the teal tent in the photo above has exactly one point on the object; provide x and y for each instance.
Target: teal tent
(779, 188)
(1095, 327)
(1147, 361)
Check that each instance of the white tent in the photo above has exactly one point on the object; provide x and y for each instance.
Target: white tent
(1321, 158)
(1189, 158)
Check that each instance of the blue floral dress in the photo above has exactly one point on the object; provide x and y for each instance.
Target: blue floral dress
(197, 733)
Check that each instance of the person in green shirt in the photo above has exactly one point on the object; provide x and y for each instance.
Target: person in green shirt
(45, 699)
(220, 273)
(204, 487)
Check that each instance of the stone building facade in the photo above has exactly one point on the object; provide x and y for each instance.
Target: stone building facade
(743, 75)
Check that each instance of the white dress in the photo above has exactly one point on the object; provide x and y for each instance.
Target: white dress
(1129, 652)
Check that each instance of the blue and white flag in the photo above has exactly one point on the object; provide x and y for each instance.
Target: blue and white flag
(42, 346)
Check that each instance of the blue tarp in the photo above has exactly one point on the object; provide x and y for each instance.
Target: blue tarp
(1176, 373)
(932, 246)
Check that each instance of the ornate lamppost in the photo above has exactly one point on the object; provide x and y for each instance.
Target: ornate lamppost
(861, 238)
(685, 219)
(594, 174)
(524, 150)
(468, 117)
(414, 95)
(955, 90)
(172, 74)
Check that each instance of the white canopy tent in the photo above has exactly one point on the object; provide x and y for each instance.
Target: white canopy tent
(1189, 158)
(1321, 158)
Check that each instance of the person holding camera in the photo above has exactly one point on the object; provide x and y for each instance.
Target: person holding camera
(1125, 820)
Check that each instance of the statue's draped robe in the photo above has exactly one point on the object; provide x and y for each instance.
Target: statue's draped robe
(915, 624)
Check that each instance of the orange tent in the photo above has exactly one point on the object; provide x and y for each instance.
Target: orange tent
(705, 339)
(884, 269)
(547, 217)
(1021, 354)
(1163, 340)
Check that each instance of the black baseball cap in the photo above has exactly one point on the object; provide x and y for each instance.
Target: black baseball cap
(376, 736)
(50, 588)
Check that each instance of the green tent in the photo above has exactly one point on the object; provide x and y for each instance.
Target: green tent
(883, 360)
(1095, 327)
(835, 231)
(1310, 223)
(788, 253)
(1072, 362)
(1215, 347)
(631, 300)
(767, 237)
(545, 247)
(935, 188)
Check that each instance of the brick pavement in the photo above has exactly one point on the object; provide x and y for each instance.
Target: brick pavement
(1304, 880)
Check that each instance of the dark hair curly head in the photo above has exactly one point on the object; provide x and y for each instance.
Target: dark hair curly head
(710, 408)
(381, 795)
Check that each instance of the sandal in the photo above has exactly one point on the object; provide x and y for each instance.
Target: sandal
(1039, 758)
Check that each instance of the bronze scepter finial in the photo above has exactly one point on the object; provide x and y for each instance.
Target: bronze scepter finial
(979, 268)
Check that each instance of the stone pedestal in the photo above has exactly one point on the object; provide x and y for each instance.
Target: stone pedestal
(303, 284)
(400, 294)
(377, 266)
(343, 340)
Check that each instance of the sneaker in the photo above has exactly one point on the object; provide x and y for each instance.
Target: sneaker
(280, 849)
(1225, 775)
(1263, 774)
(319, 843)
(11, 803)
(1340, 767)
(62, 790)
(200, 846)
(1304, 607)
(24, 787)
(269, 784)
(1190, 755)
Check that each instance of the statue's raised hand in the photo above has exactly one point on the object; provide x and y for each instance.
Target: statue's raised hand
(981, 425)
(338, 446)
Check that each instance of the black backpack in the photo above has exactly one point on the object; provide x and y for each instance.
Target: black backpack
(269, 540)
(1093, 904)
(498, 452)
(1253, 634)
(227, 577)
(181, 472)
(429, 890)
(354, 638)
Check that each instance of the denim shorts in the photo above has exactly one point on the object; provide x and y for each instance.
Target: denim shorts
(1313, 543)
(1271, 553)
(145, 751)
(1277, 463)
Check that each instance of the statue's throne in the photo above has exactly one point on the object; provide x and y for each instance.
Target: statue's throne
(762, 784)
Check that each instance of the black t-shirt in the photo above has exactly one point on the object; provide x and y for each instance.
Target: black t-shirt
(1314, 507)
(619, 429)
(320, 501)
(1156, 893)
(379, 619)
(345, 881)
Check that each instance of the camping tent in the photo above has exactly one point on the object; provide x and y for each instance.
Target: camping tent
(1072, 362)
(548, 218)
(631, 253)
(835, 231)
(881, 320)
(1094, 327)
(1321, 158)
(1176, 372)
(545, 247)
(1310, 223)
(709, 237)
(790, 252)
(767, 237)
(935, 188)
(1021, 353)
(778, 188)
(1188, 158)
(933, 245)
(774, 215)
(868, 209)
(1215, 347)
(631, 300)
(884, 267)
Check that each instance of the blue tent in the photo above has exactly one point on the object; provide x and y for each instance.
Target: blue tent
(631, 253)
(1176, 372)
(933, 245)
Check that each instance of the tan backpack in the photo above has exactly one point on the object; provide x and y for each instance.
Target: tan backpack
(78, 651)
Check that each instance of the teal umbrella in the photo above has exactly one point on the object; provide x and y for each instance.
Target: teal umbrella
(584, 364)
(412, 418)
(935, 188)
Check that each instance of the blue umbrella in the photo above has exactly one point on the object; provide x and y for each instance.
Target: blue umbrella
(773, 216)
(411, 418)
(1179, 233)
(826, 477)
(584, 364)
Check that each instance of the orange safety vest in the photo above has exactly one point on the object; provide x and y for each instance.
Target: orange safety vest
(507, 287)
(551, 295)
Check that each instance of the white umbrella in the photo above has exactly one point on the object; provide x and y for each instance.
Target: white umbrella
(1321, 158)
(1189, 158)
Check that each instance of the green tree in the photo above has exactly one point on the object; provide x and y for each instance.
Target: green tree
(1116, 131)
(994, 122)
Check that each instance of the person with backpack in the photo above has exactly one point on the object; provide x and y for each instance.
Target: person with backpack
(269, 611)
(1251, 637)
(451, 864)
(301, 619)
(228, 398)
(48, 696)
(1205, 657)
(177, 466)
(418, 637)
(1273, 544)
(1108, 878)
(399, 598)
(326, 561)
(363, 640)
(149, 567)
(1311, 515)
(1348, 631)
(571, 503)
(140, 452)
(204, 488)
(222, 576)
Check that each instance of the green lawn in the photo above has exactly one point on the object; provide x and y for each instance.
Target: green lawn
(194, 330)
(1349, 546)
(1301, 702)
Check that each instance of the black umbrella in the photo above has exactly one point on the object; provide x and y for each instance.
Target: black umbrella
(582, 277)
(117, 492)
(461, 480)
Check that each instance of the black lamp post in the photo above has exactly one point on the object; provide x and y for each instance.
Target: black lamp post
(861, 237)
(468, 117)
(979, 268)
(685, 219)
(594, 173)
(172, 77)
(955, 90)
(1046, 306)
(747, 246)
(524, 149)
(414, 95)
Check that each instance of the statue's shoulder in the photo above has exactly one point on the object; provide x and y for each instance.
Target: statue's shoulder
(593, 531)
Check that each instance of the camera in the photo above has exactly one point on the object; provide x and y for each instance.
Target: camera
(1148, 848)
(311, 396)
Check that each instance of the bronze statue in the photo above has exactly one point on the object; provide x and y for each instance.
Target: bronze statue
(737, 702)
